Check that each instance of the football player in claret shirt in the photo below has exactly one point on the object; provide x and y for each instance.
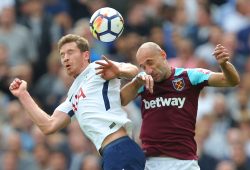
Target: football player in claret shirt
(169, 102)
(94, 101)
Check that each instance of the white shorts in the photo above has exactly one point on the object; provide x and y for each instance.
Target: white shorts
(167, 163)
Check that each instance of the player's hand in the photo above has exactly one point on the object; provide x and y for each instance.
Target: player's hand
(144, 79)
(221, 54)
(107, 69)
(17, 87)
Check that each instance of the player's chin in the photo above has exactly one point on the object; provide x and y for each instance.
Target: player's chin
(158, 78)
(70, 73)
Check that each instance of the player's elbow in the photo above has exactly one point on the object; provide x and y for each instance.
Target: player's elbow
(125, 99)
(47, 130)
(235, 82)
(124, 103)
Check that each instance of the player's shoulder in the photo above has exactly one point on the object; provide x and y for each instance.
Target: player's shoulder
(178, 71)
(195, 75)
(93, 64)
(189, 71)
(91, 69)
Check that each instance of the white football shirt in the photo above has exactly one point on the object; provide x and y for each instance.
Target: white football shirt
(96, 104)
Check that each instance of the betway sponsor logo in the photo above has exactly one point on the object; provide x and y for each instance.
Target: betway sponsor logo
(161, 102)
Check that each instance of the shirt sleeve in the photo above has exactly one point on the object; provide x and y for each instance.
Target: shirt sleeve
(140, 90)
(198, 75)
(66, 107)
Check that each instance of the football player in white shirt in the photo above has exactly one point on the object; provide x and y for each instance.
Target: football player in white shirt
(94, 101)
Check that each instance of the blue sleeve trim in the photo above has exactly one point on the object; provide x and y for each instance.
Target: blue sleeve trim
(70, 98)
(178, 71)
(71, 113)
(141, 89)
(198, 75)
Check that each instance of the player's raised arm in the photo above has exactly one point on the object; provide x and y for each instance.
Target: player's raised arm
(47, 124)
(109, 69)
(229, 76)
(130, 90)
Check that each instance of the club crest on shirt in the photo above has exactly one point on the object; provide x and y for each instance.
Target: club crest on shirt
(178, 84)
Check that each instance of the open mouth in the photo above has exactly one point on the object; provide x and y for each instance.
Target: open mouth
(67, 66)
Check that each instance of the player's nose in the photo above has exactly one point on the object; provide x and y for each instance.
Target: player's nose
(148, 70)
(65, 59)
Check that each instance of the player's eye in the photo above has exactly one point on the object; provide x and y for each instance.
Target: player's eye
(70, 52)
(62, 55)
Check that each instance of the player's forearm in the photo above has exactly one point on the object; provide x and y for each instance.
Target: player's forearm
(37, 115)
(230, 73)
(127, 70)
(129, 92)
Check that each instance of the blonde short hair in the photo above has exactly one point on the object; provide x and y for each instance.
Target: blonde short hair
(81, 42)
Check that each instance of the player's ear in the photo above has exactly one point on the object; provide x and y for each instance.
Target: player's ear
(163, 54)
(86, 55)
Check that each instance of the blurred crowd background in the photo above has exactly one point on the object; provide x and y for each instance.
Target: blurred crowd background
(188, 30)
